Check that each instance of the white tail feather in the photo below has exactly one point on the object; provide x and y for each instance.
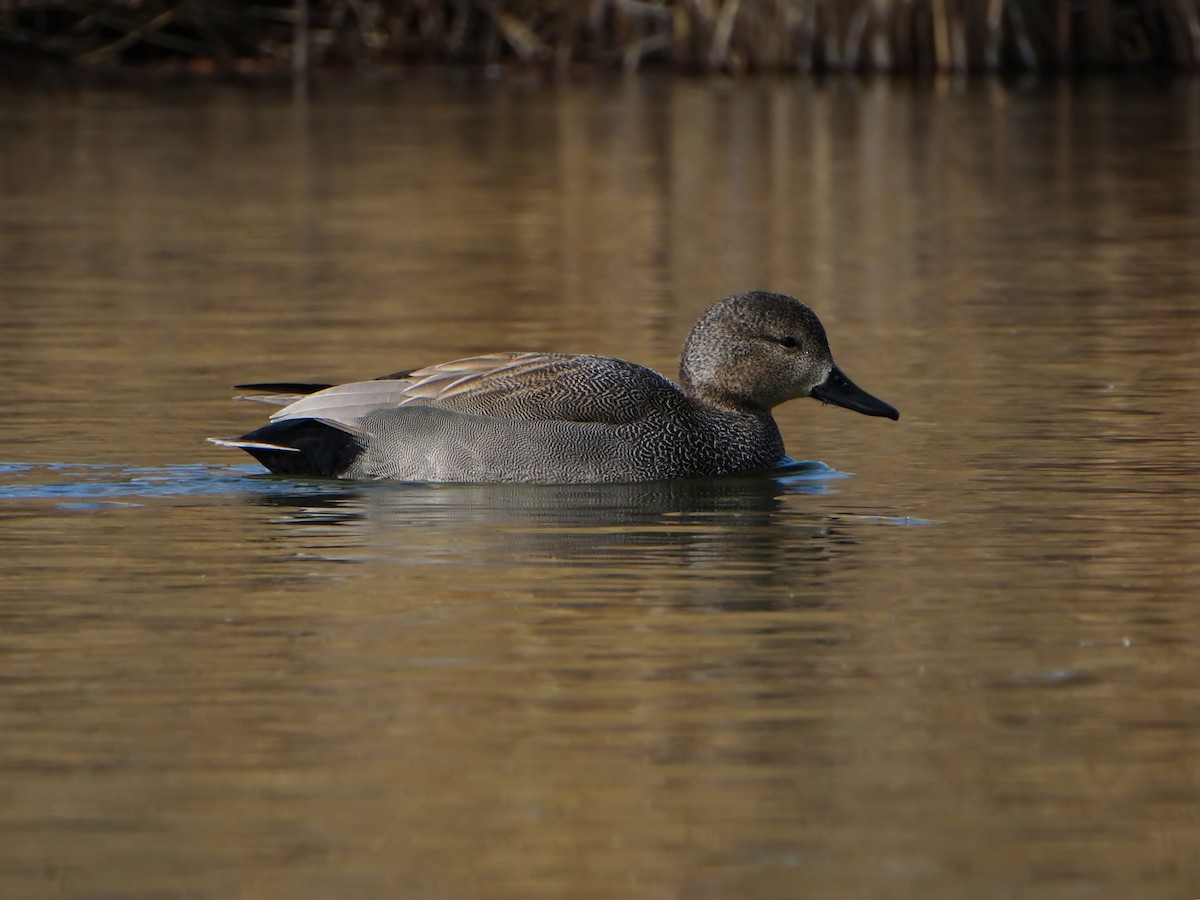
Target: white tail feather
(251, 445)
(270, 399)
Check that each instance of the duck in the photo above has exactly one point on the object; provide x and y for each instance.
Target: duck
(562, 418)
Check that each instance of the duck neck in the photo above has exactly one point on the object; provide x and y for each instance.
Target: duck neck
(704, 395)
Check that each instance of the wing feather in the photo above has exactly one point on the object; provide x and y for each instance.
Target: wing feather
(522, 386)
(345, 404)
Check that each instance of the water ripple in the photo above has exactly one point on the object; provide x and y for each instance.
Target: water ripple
(86, 485)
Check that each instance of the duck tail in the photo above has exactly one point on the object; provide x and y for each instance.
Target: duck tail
(303, 447)
(282, 387)
(278, 393)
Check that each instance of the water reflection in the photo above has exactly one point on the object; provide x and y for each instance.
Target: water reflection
(711, 533)
(748, 687)
(752, 530)
(599, 507)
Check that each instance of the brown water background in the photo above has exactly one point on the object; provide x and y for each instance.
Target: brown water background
(969, 669)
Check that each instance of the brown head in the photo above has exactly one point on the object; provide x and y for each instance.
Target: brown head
(753, 351)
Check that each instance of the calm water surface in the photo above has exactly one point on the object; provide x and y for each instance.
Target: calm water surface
(953, 656)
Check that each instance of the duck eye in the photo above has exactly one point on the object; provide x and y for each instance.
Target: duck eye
(788, 341)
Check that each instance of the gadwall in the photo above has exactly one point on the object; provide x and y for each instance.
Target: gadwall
(561, 418)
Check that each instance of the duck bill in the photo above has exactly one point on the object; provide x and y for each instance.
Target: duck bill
(841, 391)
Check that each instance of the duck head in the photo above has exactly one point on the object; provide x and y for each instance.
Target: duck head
(753, 351)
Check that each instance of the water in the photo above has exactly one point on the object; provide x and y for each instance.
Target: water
(950, 656)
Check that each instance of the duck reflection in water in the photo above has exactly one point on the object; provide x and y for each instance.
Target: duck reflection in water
(740, 542)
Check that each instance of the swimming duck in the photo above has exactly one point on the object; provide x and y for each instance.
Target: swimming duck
(564, 418)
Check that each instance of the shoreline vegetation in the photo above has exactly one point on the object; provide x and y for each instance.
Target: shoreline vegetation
(249, 37)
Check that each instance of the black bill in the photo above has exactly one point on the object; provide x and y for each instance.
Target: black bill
(841, 391)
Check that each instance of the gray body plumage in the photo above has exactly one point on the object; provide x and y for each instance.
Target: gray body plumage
(534, 417)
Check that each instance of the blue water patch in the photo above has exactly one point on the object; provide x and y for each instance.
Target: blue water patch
(891, 520)
(82, 486)
(805, 476)
(87, 486)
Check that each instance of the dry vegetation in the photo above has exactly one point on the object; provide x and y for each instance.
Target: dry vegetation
(692, 35)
